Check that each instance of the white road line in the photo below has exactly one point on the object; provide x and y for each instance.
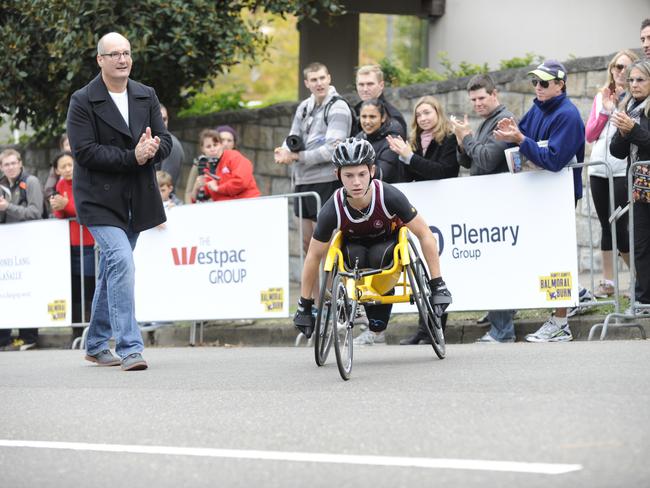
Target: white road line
(307, 457)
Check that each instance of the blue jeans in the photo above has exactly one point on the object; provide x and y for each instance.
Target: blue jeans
(502, 327)
(113, 309)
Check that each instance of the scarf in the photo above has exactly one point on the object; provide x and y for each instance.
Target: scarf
(641, 178)
(425, 140)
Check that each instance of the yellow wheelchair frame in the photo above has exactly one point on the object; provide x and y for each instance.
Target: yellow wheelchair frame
(343, 290)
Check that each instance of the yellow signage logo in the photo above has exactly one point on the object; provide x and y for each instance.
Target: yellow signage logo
(57, 310)
(272, 299)
(557, 286)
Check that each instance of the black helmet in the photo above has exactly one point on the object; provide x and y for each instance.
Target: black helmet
(353, 152)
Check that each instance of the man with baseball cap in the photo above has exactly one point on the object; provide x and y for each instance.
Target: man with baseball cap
(553, 118)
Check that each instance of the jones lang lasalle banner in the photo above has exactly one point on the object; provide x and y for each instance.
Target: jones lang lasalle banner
(506, 240)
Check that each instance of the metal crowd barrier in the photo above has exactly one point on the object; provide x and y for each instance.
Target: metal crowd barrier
(610, 181)
(629, 315)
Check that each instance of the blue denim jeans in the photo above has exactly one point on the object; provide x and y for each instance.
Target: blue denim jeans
(502, 327)
(113, 309)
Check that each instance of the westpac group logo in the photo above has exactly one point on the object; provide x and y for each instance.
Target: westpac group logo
(184, 255)
(224, 266)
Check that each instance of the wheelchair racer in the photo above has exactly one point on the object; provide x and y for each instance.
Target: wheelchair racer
(369, 214)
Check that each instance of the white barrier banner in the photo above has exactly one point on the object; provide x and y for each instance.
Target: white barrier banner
(35, 274)
(215, 261)
(506, 240)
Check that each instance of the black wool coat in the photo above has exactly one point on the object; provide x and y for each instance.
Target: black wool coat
(108, 184)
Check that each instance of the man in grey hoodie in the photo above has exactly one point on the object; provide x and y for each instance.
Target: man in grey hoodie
(320, 123)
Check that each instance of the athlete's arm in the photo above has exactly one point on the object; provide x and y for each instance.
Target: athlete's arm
(315, 255)
(428, 243)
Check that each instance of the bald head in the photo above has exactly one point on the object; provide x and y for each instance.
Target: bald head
(108, 39)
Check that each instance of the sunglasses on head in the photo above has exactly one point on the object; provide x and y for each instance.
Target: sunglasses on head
(543, 83)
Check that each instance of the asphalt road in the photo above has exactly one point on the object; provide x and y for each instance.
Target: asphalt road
(512, 415)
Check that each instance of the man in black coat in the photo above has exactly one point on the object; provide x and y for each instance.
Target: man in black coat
(117, 135)
(370, 84)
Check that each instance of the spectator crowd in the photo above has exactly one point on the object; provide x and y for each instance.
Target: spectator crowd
(431, 146)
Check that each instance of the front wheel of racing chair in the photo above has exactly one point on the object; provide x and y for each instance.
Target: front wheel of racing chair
(342, 325)
(324, 319)
(421, 293)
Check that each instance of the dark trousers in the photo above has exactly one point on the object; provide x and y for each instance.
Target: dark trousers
(600, 194)
(642, 251)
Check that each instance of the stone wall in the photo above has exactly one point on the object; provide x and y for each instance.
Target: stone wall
(264, 129)
(261, 130)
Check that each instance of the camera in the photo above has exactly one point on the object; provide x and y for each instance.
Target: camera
(205, 166)
(295, 143)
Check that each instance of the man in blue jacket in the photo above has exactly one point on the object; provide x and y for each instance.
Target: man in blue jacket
(553, 118)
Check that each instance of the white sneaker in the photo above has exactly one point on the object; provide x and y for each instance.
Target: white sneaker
(366, 338)
(488, 339)
(551, 331)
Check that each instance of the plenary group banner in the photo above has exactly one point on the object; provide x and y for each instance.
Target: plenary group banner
(505, 241)
(220, 260)
(35, 274)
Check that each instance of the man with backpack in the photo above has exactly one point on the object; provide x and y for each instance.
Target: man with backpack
(21, 199)
(320, 123)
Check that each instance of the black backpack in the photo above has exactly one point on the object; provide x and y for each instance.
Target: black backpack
(328, 106)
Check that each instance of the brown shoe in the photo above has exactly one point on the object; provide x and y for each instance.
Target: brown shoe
(134, 362)
(104, 358)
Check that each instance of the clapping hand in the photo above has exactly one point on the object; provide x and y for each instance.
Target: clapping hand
(399, 146)
(622, 122)
(147, 147)
(460, 128)
(609, 100)
(508, 131)
(58, 202)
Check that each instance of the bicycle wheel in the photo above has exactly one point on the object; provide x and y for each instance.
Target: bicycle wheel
(324, 319)
(418, 276)
(343, 315)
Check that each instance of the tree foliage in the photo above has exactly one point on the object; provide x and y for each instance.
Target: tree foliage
(49, 46)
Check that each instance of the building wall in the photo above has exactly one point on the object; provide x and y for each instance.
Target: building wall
(479, 31)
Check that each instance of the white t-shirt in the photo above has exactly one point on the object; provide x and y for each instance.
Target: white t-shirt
(122, 102)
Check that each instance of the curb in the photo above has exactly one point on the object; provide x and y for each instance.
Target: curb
(263, 333)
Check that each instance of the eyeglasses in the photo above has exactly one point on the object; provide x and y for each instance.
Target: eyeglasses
(116, 55)
(619, 67)
(638, 80)
(544, 84)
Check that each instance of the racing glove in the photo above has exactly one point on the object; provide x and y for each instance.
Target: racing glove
(303, 319)
(440, 296)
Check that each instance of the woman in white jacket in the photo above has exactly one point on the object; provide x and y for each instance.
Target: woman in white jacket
(600, 131)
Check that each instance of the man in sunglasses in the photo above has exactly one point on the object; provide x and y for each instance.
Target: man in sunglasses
(555, 119)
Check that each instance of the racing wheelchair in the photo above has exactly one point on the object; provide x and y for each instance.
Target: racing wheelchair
(343, 290)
